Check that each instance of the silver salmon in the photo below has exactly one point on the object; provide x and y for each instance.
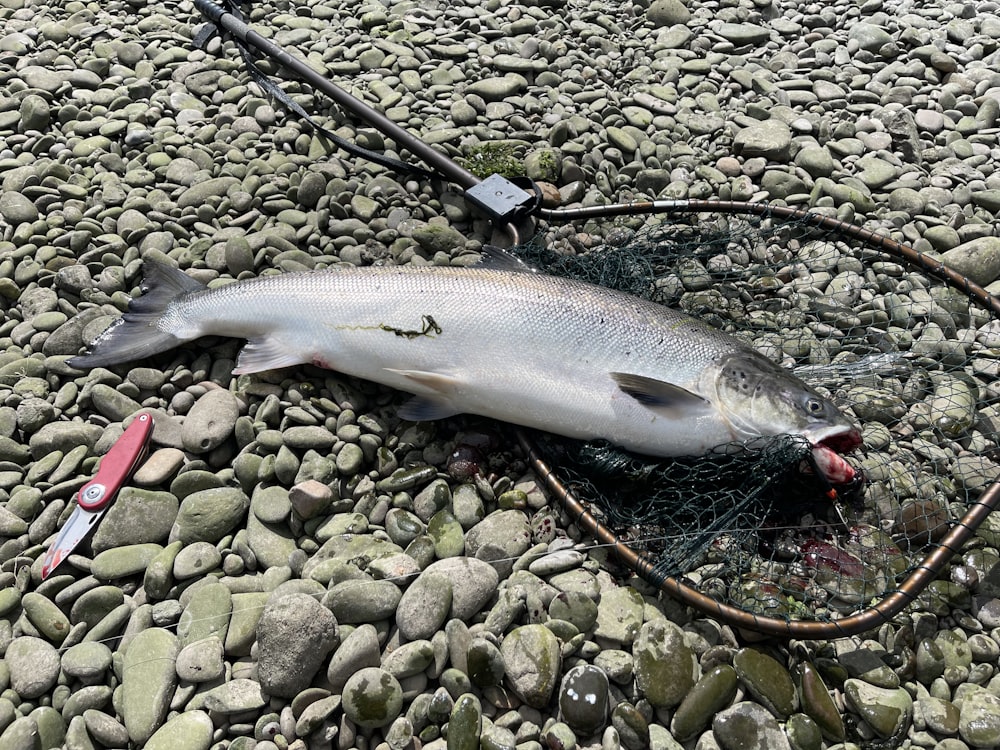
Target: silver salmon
(500, 341)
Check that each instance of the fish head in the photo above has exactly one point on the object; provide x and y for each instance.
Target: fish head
(758, 397)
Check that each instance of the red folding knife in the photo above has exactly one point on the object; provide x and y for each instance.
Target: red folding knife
(95, 496)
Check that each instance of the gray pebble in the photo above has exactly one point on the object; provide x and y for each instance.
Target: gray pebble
(359, 649)
(294, 636)
(148, 681)
(33, 665)
(210, 421)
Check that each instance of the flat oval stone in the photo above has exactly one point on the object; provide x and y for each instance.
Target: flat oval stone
(189, 730)
(122, 562)
(149, 678)
(619, 615)
(46, 617)
(424, 606)
(210, 421)
(767, 681)
(208, 515)
(888, 711)
(473, 583)
(360, 649)
(33, 665)
(712, 693)
(818, 705)
(363, 601)
(196, 559)
(409, 659)
(206, 614)
(87, 662)
(105, 729)
(137, 516)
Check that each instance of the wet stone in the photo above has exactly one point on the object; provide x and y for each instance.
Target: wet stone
(887, 711)
(631, 725)
(940, 716)
(748, 726)
(766, 680)
(372, 698)
(294, 636)
(818, 705)
(465, 723)
(979, 719)
(803, 733)
(712, 693)
(583, 699)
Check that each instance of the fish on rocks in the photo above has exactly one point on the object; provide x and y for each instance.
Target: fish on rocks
(498, 340)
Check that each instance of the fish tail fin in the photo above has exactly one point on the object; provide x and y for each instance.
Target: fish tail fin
(139, 333)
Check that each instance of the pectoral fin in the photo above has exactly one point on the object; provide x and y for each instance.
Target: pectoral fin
(664, 398)
(428, 406)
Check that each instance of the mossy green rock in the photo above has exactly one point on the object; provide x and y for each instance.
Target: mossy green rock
(767, 681)
(665, 666)
(209, 515)
(190, 730)
(712, 693)
(149, 678)
(532, 658)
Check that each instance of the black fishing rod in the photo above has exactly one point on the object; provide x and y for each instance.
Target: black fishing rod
(507, 205)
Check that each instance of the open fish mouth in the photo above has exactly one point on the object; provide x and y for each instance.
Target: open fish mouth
(828, 448)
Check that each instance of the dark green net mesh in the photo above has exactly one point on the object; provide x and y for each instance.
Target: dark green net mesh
(912, 360)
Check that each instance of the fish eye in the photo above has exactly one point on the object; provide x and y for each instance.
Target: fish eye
(815, 406)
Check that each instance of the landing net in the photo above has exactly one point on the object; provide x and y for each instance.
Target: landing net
(908, 349)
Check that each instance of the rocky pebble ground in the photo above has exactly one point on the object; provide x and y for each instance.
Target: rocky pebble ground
(293, 566)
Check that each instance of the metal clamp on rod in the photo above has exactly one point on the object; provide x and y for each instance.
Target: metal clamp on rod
(499, 198)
